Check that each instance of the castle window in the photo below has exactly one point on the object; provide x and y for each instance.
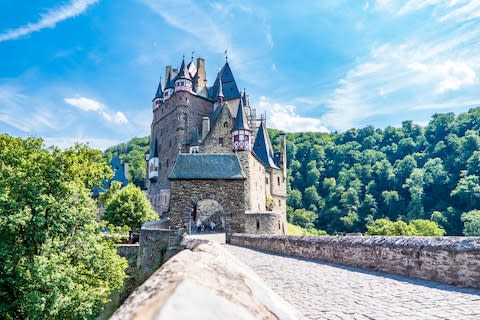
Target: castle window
(258, 224)
(278, 180)
(220, 141)
(279, 204)
(167, 163)
(279, 225)
(225, 124)
(266, 180)
(236, 138)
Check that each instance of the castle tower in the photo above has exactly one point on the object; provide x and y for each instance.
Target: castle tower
(153, 163)
(241, 133)
(183, 81)
(169, 85)
(200, 79)
(158, 99)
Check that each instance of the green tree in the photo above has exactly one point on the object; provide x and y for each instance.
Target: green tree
(129, 207)
(55, 263)
(426, 228)
(471, 220)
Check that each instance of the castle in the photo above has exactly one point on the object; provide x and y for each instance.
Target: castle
(208, 144)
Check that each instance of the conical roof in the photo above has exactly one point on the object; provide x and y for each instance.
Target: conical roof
(159, 93)
(183, 73)
(169, 84)
(220, 90)
(225, 82)
(153, 150)
(241, 119)
(262, 147)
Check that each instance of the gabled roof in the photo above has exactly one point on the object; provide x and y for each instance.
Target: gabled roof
(229, 86)
(153, 151)
(183, 73)
(240, 121)
(207, 166)
(159, 93)
(263, 148)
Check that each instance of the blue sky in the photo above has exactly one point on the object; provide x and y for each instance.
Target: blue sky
(86, 70)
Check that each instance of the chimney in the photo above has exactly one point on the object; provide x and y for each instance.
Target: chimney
(205, 126)
(168, 69)
(200, 79)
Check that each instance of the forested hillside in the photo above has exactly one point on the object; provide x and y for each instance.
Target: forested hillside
(349, 179)
(342, 182)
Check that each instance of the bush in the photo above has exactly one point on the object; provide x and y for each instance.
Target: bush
(129, 207)
(418, 227)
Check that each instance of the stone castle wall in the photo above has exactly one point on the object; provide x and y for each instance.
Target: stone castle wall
(255, 185)
(451, 260)
(228, 193)
(264, 223)
(221, 129)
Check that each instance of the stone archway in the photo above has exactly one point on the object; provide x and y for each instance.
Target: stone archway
(229, 194)
(205, 215)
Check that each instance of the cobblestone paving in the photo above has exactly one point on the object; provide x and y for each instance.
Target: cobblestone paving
(327, 291)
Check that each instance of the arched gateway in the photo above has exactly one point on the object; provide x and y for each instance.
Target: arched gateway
(218, 177)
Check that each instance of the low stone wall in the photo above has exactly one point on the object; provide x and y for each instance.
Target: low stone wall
(204, 282)
(451, 260)
(153, 247)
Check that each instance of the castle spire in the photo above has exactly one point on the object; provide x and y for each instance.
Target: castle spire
(241, 133)
(220, 95)
(263, 148)
(159, 93)
(183, 81)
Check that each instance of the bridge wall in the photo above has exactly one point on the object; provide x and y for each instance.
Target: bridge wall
(451, 260)
(204, 281)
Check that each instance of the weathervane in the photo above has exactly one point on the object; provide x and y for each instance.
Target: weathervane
(226, 55)
(193, 52)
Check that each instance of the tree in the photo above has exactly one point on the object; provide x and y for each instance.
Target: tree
(55, 262)
(426, 228)
(303, 218)
(129, 207)
(417, 227)
(471, 220)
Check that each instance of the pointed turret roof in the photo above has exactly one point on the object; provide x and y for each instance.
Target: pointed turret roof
(159, 93)
(228, 84)
(169, 84)
(244, 97)
(153, 150)
(183, 73)
(220, 90)
(240, 120)
(262, 147)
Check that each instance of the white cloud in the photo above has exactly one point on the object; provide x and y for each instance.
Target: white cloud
(49, 19)
(25, 114)
(285, 117)
(87, 104)
(398, 77)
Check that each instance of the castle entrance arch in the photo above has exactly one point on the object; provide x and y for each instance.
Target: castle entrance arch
(207, 216)
(197, 179)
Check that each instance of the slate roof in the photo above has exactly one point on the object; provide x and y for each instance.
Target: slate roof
(118, 175)
(159, 93)
(183, 73)
(207, 166)
(153, 151)
(240, 120)
(263, 149)
(169, 84)
(229, 86)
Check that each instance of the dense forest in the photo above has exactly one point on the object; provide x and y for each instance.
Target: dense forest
(343, 182)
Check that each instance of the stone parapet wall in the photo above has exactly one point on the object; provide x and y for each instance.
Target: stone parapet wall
(204, 282)
(451, 260)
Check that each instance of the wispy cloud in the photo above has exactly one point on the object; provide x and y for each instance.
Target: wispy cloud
(436, 68)
(49, 19)
(285, 117)
(18, 111)
(87, 104)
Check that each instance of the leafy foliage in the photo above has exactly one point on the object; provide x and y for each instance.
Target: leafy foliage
(350, 179)
(129, 207)
(472, 223)
(417, 227)
(134, 152)
(55, 263)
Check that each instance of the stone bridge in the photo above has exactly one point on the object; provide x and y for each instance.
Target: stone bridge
(322, 290)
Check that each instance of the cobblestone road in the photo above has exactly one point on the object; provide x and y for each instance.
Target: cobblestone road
(327, 291)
